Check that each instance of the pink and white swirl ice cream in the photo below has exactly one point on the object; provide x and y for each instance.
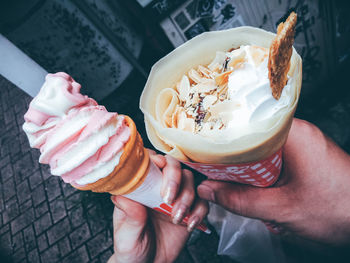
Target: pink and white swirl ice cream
(80, 140)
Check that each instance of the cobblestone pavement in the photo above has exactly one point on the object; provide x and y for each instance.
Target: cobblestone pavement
(45, 220)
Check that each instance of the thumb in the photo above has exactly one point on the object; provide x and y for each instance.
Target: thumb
(249, 201)
(129, 221)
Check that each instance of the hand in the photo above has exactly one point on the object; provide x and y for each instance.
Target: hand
(312, 197)
(144, 235)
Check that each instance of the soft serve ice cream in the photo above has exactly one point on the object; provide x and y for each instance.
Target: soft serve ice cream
(89, 147)
(80, 140)
(231, 92)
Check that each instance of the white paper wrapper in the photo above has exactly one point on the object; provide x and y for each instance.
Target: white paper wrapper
(251, 143)
(148, 194)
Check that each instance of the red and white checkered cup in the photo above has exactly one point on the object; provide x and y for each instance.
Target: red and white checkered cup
(262, 173)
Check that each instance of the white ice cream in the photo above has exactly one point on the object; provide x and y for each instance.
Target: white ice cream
(232, 92)
(249, 87)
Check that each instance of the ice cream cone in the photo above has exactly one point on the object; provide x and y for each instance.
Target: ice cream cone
(89, 147)
(130, 172)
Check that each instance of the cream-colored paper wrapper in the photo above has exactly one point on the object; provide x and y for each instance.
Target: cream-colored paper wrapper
(251, 143)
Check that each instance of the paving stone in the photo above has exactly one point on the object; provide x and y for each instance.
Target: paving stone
(42, 224)
(95, 222)
(9, 116)
(76, 216)
(42, 242)
(22, 221)
(24, 143)
(24, 167)
(38, 195)
(64, 246)
(41, 209)
(52, 187)
(6, 172)
(12, 131)
(23, 191)
(5, 241)
(74, 200)
(58, 231)
(29, 238)
(4, 228)
(20, 108)
(58, 210)
(19, 119)
(103, 239)
(26, 205)
(77, 256)
(11, 210)
(19, 256)
(2, 204)
(5, 147)
(35, 154)
(35, 179)
(15, 147)
(17, 241)
(67, 188)
(4, 98)
(45, 171)
(79, 235)
(51, 255)
(33, 256)
(106, 255)
(9, 189)
(4, 160)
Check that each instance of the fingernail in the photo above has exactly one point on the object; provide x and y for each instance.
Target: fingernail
(193, 223)
(205, 192)
(170, 193)
(180, 213)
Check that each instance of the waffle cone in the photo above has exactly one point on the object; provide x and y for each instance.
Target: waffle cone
(131, 170)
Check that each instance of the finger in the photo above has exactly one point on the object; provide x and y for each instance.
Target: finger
(185, 199)
(129, 221)
(249, 201)
(158, 159)
(198, 213)
(172, 179)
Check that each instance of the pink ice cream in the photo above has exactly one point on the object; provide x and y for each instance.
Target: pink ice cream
(80, 140)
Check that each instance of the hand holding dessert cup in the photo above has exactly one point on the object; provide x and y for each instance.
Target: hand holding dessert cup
(223, 102)
(93, 149)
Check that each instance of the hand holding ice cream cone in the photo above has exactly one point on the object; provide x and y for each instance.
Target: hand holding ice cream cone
(311, 199)
(152, 236)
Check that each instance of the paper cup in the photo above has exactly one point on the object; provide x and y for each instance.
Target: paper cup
(262, 173)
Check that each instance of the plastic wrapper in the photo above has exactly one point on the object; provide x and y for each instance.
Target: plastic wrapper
(244, 239)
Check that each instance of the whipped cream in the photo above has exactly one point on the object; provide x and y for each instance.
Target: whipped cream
(231, 92)
(80, 140)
